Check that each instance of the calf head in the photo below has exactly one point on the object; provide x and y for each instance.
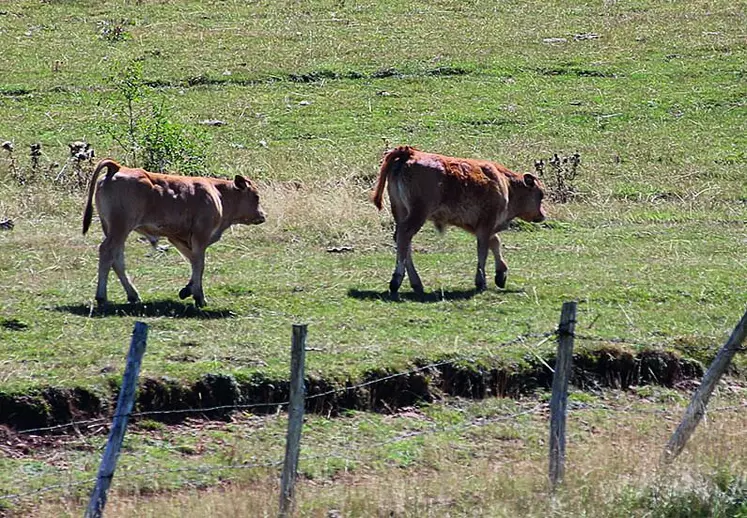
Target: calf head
(526, 198)
(249, 210)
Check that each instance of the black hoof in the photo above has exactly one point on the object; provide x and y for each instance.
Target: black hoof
(394, 295)
(101, 302)
(500, 279)
(185, 292)
(133, 300)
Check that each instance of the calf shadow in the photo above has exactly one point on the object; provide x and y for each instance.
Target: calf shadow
(155, 308)
(425, 298)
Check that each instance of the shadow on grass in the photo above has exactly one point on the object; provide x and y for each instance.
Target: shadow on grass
(156, 308)
(426, 298)
(13, 324)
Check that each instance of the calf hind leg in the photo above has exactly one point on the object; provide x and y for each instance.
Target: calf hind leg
(405, 231)
(119, 269)
(415, 283)
(111, 254)
(106, 259)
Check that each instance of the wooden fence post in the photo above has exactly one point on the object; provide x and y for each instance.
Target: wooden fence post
(697, 406)
(295, 420)
(119, 424)
(559, 400)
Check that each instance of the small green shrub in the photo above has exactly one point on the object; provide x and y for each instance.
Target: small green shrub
(167, 145)
(144, 129)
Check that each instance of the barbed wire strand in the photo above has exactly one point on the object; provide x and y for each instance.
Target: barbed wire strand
(145, 413)
(127, 473)
(345, 454)
(617, 340)
(576, 407)
(205, 468)
(46, 489)
(546, 336)
(71, 424)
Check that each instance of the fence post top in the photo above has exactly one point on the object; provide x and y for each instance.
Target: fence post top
(140, 326)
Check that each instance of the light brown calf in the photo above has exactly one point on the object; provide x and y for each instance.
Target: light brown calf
(191, 212)
(477, 195)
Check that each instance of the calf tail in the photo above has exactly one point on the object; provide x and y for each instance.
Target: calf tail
(391, 163)
(112, 167)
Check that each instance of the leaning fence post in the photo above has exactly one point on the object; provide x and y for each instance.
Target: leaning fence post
(697, 406)
(119, 424)
(559, 400)
(295, 419)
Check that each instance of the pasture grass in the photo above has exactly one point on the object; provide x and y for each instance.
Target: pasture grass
(670, 281)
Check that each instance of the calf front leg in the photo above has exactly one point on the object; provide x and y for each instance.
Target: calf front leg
(501, 268)
(186, 252)
(186, 291)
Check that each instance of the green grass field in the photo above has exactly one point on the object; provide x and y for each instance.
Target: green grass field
(654, 246)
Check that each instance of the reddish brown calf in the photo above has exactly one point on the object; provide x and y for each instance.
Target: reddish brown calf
(191, 212)
(477, 195)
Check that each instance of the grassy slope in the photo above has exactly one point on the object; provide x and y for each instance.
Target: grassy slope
(654, 249)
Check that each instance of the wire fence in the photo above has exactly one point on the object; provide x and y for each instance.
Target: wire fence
(79, 425)
(280, 404)
(522, 339)
(345, 454)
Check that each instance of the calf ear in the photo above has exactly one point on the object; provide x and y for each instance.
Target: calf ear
(241, 182)
(530, 180)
